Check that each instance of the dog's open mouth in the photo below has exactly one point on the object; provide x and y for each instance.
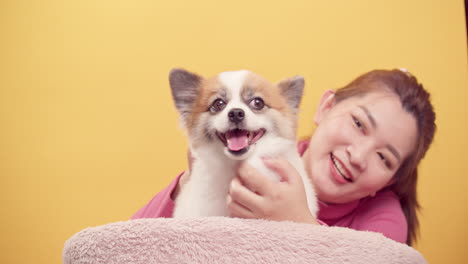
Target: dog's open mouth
(238, 141)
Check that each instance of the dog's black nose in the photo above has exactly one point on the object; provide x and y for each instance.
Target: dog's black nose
(236, 115)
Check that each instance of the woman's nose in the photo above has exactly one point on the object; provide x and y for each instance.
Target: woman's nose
(358, 154)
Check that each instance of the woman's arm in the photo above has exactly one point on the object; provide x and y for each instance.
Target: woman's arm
(162, 204)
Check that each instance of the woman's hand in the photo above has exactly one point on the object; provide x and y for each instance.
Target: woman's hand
(253, 195)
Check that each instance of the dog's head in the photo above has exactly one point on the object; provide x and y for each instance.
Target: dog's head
(236, 111)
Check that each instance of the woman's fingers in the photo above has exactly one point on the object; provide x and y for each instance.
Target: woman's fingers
(284, 169)
(254, 180)
(237, 210)
(242, 195)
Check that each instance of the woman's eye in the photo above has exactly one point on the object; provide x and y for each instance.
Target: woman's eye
(382, 157)
(257, 103)
(217, 105)
(384, 160)
(358, 123)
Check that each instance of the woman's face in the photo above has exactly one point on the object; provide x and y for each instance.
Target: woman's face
(358, 145)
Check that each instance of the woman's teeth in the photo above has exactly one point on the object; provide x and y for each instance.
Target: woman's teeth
(340, 169)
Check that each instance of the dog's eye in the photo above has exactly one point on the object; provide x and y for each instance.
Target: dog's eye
(257, 103)
(218, 105)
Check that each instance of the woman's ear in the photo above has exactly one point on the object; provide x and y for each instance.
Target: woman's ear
(326, 103)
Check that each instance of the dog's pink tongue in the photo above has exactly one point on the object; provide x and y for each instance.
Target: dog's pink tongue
(237, 139)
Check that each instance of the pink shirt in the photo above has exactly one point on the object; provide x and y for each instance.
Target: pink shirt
(381, 213)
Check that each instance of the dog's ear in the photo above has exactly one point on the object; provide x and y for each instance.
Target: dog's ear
(184, 87)
(292, 89)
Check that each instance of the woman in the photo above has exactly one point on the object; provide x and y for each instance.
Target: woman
(362, 159)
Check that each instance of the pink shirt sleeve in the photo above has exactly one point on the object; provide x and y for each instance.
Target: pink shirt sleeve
(161, 205)
(383, 215)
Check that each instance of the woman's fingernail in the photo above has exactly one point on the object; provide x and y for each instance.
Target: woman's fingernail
(228, 199)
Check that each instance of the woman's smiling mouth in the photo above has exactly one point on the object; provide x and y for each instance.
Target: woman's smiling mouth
(340, 172)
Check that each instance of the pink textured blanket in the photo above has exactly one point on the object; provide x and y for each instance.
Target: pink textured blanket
(230, 240)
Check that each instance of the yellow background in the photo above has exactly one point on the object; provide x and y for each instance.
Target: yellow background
(89, 132)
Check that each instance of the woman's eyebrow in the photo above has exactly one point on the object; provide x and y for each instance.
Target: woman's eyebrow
(371, 118)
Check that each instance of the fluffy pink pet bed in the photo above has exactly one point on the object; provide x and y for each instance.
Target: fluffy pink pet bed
(230, 240)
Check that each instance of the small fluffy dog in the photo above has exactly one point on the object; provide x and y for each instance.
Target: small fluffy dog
(234, 117)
